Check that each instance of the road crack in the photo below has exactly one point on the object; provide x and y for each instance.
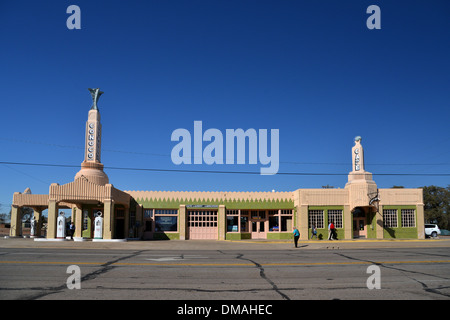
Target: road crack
(107, 266)
(263, 276)
(405, 272)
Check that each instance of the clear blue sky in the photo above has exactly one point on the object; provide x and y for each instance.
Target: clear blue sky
(311, 69)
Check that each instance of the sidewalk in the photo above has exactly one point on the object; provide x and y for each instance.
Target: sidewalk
(227, 244)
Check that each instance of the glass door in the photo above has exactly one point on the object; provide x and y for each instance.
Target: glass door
(258, 224)
(362, 228)
(359, 228)
(88, 222)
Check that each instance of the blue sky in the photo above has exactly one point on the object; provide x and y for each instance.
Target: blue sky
(311, 69)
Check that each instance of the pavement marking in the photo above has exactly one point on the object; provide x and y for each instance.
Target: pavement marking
(338, 241)
(176, 258)
(166, 259)
(227, 264)
(50, 262)
(68, 254)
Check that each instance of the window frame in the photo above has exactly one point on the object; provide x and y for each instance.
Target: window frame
(151, 214)
(316, 213)
(406, 217)
(388, 218)
(337, 216)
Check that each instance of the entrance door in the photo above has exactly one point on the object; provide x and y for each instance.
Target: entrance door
(120, 229)
(119, 224)
(258, 222)
(88, 224)
(359, 228)
(258, 230)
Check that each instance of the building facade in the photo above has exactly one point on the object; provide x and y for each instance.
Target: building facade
(359, 210)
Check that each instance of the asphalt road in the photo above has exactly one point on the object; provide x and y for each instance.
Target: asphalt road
(232, 272)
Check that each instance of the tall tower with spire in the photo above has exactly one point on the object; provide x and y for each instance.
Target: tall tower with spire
(360, 182)
(358, 169)
(91, 167)
(92, 150)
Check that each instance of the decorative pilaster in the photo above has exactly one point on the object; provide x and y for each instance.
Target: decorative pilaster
(182, 223)
(52, 219)
(108, 219)
(302, 221)
(78, 222)
(348, 223)
(16, 221)
(222, 222)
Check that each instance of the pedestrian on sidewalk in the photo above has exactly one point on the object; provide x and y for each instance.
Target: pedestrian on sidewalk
(71, 230)
(313, 232)
(296, 236)
(331, 231)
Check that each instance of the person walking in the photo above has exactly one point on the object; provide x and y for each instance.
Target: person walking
(296, 236)
(331, 231)
(72, 230)
(313, 232)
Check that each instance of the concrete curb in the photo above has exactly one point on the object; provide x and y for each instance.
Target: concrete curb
(200, 245)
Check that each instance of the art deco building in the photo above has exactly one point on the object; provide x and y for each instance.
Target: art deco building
(359, 210)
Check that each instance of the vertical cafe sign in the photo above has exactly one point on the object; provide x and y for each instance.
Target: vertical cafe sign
(357, 158)
(93, 142)
(93, 129)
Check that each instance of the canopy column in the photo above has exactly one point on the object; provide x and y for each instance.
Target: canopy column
(108, 216)
(37, 213)
(52, 219)
(16, 221)
(78, 221)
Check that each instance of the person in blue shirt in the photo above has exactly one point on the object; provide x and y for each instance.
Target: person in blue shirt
(313, 232)
(296, 236)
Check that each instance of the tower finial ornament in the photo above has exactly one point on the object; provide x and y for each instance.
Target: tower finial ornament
(95, 93)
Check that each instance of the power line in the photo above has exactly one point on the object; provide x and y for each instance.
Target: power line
(224, 172)
(26, 174)
(166, 155)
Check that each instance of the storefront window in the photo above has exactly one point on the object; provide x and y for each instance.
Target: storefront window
(286, 223)
(166, 223)
(238, 220)
(232, 224)
(280, 220)
(148, 213)
(273, 223)
(161, 220)
(272, 220)
(244, 220)
(165, 211)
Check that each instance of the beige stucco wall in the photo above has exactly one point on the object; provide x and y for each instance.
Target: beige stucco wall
(182, 222)
(221, 222)
(211, 195)
(401, 196)
(320, 197)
